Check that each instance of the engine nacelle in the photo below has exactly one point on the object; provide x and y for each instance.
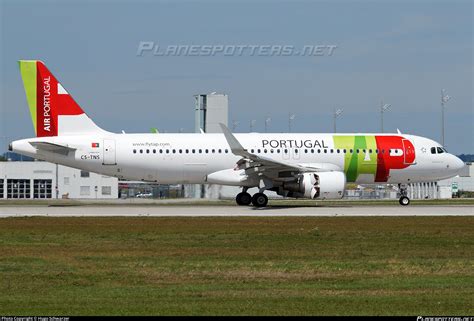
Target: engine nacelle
(317, 185)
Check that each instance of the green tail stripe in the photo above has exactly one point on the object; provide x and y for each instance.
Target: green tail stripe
(28, 74)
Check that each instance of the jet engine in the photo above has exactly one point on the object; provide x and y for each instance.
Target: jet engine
(316, 185)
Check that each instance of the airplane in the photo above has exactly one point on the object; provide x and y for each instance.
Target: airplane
(315, 166)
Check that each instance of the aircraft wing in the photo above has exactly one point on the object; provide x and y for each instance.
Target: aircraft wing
(267, 164)
(52, 148)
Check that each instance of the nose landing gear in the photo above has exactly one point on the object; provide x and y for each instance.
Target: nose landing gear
(404, 200)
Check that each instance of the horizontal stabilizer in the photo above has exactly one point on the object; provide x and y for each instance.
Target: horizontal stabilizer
(52, 148)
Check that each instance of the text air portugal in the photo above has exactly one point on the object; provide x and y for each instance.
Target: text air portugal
(51, 103)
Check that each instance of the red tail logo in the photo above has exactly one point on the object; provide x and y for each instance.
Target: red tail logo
(53, 101)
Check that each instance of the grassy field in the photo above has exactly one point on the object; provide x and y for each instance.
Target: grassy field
(238, 266)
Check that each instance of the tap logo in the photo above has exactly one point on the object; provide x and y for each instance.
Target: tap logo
(95, 145)
(375, 155)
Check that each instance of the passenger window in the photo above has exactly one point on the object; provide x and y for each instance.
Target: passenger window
(154, 151)
(220, 151)
(180, 151)
(433, 150)
(161, 151)
(200, 151)
(141, 151)
(278, 151)
(296, 151)
(134, 151)
(226, 151)
(213, 151)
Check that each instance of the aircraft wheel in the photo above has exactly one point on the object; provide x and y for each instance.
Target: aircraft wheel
(243, 198)
(259, 200)
(404, 200)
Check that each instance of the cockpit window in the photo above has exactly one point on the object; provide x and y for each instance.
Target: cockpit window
(440, 150)
(433, 150)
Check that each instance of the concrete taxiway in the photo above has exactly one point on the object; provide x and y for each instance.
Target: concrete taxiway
(196, 211)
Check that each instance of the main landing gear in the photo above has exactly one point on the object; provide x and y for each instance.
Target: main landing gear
(257, 200)
(404, 200)
(243, 198)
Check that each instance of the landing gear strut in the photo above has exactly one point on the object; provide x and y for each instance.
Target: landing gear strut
(243, 198)
(404, 200)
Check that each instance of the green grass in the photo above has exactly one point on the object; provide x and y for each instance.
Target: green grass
(237, 266)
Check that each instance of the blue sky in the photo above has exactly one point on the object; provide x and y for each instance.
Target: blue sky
(404, 52)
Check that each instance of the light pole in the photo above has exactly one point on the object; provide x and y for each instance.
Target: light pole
(337, 113)
(444, 99)
(291, 117)
(234, 125)
(252, 124)
(267, 121)
(383, 108)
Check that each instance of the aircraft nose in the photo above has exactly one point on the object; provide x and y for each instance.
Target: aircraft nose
(456, 163)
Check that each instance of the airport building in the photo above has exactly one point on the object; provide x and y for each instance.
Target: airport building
(43, 180)
(210, 110)
(463, 182)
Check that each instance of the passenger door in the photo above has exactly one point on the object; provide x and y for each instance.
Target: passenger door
(408, 152)
(109, 152)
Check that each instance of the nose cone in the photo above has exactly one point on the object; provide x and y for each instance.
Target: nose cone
(456, 164)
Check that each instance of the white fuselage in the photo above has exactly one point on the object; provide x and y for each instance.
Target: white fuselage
(190, 158)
